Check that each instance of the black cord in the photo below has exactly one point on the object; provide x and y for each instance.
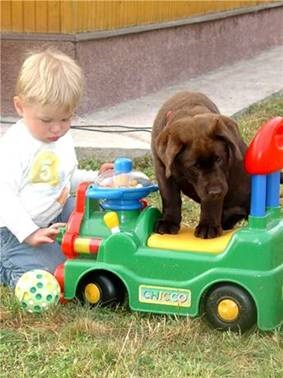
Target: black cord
(106, 126)
(9, 122)
(103, 128)
(128, 129)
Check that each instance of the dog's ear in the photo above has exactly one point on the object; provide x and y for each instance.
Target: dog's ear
(167, 146)
(227, 130)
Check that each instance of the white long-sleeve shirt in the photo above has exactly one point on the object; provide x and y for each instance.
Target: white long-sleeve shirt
(35, 179)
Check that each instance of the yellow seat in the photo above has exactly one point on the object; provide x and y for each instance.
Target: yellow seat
(186, 241)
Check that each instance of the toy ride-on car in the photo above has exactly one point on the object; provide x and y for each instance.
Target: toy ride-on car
(235, 280)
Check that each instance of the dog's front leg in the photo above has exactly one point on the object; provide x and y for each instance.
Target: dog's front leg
(171, 207)
(210, 219)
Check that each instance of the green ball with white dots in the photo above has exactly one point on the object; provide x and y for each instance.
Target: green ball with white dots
(37, 290)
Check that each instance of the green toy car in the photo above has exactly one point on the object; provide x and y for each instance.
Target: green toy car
(235, 280)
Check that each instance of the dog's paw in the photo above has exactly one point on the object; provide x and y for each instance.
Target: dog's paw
(207, 231)
(166, 227)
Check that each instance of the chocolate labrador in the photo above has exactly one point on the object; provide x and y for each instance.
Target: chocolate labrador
(199, 152)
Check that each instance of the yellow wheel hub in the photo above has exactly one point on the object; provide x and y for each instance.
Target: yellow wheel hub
(228, 310)
(92, 293)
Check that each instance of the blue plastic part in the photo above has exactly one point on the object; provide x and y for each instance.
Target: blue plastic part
(123, 165)
(258, 200)
(120, 198)
(273, 190)
(121, 205)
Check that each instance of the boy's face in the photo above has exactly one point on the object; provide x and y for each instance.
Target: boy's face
(46, 123)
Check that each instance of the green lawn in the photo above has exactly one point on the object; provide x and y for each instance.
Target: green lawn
(75, 341)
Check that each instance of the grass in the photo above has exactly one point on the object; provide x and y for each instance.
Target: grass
(75, 341)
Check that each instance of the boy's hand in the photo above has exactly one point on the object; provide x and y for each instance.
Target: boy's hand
(44, 235)
(106, 167)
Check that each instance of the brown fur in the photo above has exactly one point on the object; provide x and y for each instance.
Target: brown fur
(199, 152)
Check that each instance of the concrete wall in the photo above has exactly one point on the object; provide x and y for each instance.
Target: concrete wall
(122, 65)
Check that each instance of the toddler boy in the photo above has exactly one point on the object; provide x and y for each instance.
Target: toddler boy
(38, 165)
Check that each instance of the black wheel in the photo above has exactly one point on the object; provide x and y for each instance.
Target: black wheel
(229, 307)
(100, 290)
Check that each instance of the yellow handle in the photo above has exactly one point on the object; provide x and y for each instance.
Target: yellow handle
(112, 221)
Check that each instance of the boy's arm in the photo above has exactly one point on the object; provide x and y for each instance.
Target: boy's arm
(13, 214)
(81, 175)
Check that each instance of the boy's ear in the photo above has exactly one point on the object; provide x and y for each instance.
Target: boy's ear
(18, 103)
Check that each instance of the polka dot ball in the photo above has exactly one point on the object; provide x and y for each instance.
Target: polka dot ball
(37, 290)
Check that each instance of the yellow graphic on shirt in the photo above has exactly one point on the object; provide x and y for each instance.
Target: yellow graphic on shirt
(45, 168)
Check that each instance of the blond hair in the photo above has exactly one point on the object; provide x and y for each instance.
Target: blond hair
(50, 78)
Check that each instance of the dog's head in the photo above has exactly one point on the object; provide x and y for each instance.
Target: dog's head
(201, 150)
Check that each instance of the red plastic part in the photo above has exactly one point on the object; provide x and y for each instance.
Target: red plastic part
(62, 300)
(74, 223)
(59, 275)
(94, 245)
(265, 153)
(144, 203)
